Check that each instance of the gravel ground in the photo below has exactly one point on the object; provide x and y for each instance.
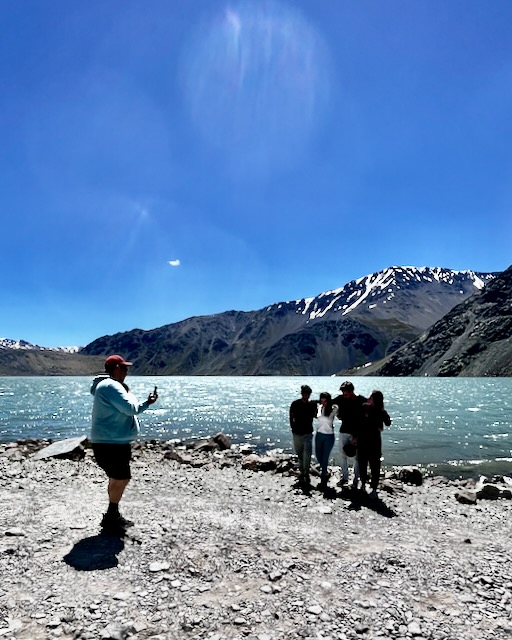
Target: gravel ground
(221, 552)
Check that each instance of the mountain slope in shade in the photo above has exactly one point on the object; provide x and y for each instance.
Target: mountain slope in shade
(473, 339)
(362, 321)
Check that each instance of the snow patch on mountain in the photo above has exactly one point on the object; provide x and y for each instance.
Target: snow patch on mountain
(381, 287)
(7, 343)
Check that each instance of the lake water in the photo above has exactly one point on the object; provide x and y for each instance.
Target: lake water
(456, 426)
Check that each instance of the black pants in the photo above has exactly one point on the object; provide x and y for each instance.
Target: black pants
(369, 453)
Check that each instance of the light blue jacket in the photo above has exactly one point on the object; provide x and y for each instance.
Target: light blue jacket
(114, 412)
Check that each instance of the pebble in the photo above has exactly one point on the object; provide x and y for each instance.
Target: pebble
(159, 566)
(14, 532)
(315, 609)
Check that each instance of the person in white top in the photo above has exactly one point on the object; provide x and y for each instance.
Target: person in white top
(324, 438)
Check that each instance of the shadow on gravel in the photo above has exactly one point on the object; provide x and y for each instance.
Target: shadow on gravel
(302, 488)
(95, 553)
(358, 500)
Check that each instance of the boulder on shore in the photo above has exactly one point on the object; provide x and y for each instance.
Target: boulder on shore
(69, 448)
(411, 475)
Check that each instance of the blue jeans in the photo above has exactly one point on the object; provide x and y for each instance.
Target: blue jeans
(324, 442)
(303, 446)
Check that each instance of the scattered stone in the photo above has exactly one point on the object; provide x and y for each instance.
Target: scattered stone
(324, 508)
(115, 631)
(361, 628)
(466, 497)
(273, 576)
(254, 462)
(14, 532)
(414, 628)
(315, 609)
(159, 566)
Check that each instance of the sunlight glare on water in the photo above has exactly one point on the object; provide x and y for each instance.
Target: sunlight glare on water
(434, 419)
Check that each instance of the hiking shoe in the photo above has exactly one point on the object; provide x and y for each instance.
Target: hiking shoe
(115, 521)
(373, 494)
(123, 522)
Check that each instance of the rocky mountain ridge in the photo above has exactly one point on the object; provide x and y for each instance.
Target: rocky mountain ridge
(362, 321)
(473, 339)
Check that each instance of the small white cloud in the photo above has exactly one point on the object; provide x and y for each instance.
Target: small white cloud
(174, 263)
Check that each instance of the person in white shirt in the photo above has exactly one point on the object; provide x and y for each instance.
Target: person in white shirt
(324, 437)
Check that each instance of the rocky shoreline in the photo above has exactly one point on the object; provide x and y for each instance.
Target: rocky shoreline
(226, 546)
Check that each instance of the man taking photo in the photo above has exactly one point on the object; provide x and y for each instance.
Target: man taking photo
(114, 427)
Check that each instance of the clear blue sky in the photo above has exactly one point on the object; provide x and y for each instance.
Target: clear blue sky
(160, 160)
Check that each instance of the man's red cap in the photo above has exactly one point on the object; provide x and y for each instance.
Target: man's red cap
(112, 361)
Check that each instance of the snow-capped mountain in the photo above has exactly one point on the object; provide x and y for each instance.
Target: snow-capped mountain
(377, 294)
(473, 339)
(7, 343)
(358, 323)
(362, 321)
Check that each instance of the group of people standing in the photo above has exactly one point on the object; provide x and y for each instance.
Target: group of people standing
(362, 421)
(115, 426)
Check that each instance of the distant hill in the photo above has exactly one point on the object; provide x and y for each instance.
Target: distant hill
(473, 339)
(23, 344)
(365, 320)
(47, 362)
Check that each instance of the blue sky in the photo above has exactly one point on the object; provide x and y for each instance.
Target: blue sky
(161, 160)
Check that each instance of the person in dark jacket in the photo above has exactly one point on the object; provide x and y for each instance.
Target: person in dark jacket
(369, 442)
(302, 413)
(350, 412)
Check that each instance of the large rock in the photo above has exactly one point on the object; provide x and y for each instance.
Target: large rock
(68, 448)
(254, 462)
(183, 458)
(466, 497)
(411, 475)
(218, 442)
(488, 492)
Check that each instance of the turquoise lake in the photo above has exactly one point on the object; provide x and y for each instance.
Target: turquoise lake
(457, 426)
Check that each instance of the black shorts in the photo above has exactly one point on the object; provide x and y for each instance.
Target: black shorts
(114, 459)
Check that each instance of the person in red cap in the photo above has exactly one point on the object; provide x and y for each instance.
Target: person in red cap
(114, 427)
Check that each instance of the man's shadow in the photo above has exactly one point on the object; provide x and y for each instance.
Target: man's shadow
(96, 552)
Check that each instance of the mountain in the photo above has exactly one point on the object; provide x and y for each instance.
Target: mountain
(473, 339)
(23, 344)
(47, 362)
(365, 320)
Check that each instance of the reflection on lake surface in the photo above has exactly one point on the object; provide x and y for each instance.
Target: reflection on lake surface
(452, 423)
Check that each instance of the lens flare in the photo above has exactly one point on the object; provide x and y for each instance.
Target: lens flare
(256, 83)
